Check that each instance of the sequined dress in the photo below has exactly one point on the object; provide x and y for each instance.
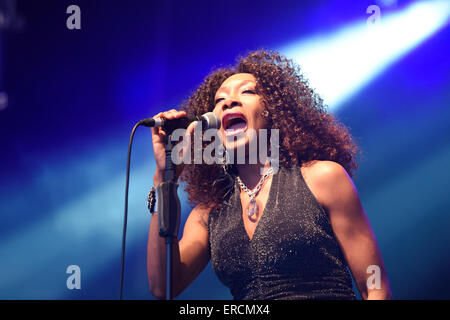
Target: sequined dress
(293, 253)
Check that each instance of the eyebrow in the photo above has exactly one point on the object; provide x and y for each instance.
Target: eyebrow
(243, 82)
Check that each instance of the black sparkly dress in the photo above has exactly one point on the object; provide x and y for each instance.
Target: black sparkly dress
(293, 253)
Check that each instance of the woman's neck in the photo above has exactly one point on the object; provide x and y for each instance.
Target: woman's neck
(250, 174)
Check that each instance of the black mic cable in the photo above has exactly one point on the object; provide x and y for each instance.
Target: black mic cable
(209, 119)
(125, 214)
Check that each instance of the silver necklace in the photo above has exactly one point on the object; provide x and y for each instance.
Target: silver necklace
(253, 206)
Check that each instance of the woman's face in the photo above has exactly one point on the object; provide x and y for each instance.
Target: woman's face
(239, 109)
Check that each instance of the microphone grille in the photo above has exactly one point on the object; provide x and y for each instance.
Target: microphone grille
(212, 121)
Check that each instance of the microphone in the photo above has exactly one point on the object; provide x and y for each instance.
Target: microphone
(209, 121)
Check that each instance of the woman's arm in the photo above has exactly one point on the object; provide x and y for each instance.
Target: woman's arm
(190, 255)
(335, 191)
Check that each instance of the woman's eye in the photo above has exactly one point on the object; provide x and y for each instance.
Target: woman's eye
(249, 91)
(218, 100)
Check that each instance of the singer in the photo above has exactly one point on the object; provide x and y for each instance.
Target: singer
(299, 232)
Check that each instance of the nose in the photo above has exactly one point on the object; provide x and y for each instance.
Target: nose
(230, 103)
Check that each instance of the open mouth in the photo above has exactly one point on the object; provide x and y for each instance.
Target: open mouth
(234, 123)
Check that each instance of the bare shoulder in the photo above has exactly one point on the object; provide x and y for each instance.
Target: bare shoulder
(326, 180)
(323, 171)
(200, 214)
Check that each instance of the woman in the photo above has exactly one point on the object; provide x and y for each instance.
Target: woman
(289, 234)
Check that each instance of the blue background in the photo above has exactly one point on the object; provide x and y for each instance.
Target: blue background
(74, 96)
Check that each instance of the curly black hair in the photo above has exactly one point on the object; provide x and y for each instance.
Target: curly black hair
(307, 131)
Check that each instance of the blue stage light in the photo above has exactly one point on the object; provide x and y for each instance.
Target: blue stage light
(339, 64)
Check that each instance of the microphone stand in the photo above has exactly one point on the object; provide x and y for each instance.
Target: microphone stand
(168, 201)
(168, 209)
